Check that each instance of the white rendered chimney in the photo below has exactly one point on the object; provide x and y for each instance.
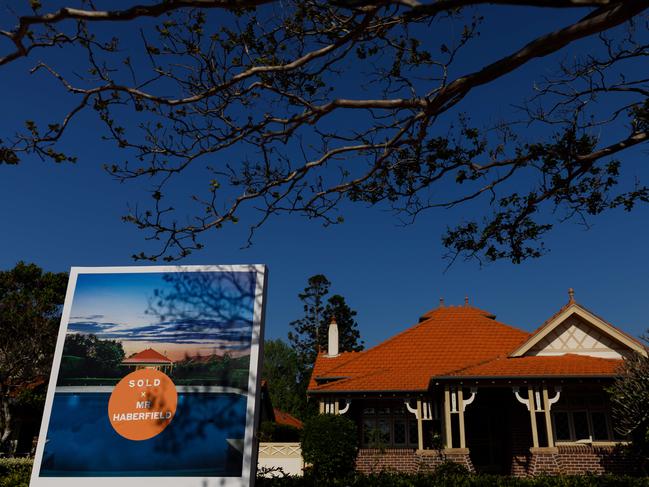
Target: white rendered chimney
(332, 345)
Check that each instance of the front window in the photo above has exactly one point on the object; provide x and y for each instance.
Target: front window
(387, 424)
(582, 417)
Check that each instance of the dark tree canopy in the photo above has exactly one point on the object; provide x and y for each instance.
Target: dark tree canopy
(282, 372)
(30, 309)
(310, 332)
(349, 336)
(629, 400)
(308, 106)
(99, 358)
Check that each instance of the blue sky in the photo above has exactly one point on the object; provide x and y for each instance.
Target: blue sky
(126, 307)
(69, 215)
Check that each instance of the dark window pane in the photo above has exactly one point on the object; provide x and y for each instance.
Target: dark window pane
(596, 400)
(399, 409)
(368, 410)
(412, 433)
(369, 425)
(384, 429)
(580, 420)
(561, 426)
(399, 432)
(600, 429)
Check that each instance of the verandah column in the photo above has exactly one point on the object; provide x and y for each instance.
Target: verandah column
(448, 432)
(532, 409)
(548, 420)
(420, 426)
(460, 408)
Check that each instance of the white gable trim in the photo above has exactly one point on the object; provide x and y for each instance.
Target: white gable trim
(591, 319)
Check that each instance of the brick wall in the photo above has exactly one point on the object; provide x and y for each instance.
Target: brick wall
(581, 459)
(407, 460)
(371, 460)
(543, 461)
(567, 460)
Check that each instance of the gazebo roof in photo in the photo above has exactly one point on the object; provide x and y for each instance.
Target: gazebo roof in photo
(148, 356)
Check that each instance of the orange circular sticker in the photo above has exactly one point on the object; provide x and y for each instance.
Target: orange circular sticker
(142, 404)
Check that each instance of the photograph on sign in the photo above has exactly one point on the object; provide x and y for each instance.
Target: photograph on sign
(155, 375)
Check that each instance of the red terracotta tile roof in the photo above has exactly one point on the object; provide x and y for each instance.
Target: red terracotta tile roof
(568, 365)
(323, 364)
(286, 419)
(448, 339)
(148, 356)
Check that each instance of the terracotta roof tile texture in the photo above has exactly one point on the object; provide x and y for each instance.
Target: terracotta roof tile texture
(286, 419)
(148, 356)
(544, 366)
(324, 364)
(449, 339)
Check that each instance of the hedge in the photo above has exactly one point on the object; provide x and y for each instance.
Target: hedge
(432, 480)
(15, 472)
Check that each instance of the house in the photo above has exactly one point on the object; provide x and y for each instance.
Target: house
(149, 359)
(278, 456)
(462, 386)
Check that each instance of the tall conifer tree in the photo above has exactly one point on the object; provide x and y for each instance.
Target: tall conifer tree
(310, 333)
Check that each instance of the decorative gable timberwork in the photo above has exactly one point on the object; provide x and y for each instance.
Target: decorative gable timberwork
(576, 336)
(575, 330)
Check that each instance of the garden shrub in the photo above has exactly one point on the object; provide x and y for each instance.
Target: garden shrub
(449, 468)
(453, 480)
(15, 472)
(330, 445)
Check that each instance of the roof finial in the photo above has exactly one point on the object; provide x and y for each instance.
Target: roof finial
(466, 300)
(571, 295)
(441, 302)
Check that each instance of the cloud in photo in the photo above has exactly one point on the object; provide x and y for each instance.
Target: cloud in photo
(199, 331)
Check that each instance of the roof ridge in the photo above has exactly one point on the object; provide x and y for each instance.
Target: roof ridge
(476, 364)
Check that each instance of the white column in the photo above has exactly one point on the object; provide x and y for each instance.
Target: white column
(448, 431)
(532, 408)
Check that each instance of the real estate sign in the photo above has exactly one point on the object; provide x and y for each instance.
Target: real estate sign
(155, 378)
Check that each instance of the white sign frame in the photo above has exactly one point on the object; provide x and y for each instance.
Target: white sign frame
(249, 464)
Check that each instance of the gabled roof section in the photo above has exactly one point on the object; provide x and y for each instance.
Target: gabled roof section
(604, 332)
(449, 338)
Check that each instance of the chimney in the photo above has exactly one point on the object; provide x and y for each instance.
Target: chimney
(332, 345)
(466, 300)
(441, 302)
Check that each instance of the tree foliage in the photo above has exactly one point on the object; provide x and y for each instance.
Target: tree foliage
(319, 104)
(283, 374)
(310, 333)
(629, 399)
(30, 307)
(330, 444)
(100, 358)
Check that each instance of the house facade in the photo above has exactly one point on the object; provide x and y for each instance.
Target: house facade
(462, 386)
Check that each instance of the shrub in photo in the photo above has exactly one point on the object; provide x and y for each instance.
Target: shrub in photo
(330, 445)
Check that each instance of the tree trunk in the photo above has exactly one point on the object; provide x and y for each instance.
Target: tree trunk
(6, 423)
